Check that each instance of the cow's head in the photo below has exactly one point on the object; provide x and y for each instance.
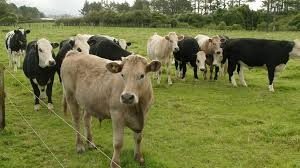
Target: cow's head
(214, 47)
(20, 37)
(44, 49)
(218, 57)
(80, 43)
(295, 53)
(173, 40)
(201, 57)
(123, 44)
(133, 70)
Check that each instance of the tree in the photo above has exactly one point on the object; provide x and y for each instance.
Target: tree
(141, 5)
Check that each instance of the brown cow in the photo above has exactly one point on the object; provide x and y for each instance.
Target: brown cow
(120, 90)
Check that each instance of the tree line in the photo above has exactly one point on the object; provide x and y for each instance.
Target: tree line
(11, 14)
(217, 14)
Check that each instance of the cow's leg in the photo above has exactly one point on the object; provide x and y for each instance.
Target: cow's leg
(43, 92)
(216, 72)
(231, 69)
(87, 118)
(183, 70)
(49, 93)
(205, 73)
(118, 133)
(138, 156)
(19, 59)
(271, 74)
(211, 70)
(194, 65)
(10, 58)
(14, 62)
(241, 75)
(76, 115)
(36, 91)
(168, 74)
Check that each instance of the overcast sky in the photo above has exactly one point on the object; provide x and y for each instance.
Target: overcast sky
(58, 7)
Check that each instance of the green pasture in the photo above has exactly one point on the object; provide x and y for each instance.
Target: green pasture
(192, 124)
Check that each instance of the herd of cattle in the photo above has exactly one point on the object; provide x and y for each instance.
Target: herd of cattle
(100, 75)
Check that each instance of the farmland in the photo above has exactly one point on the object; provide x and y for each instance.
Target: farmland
(192, 124)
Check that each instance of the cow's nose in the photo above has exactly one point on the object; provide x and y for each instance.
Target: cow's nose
(52, 63)
(202, 69)
(218, 52)
(127, 98)
(176, 49)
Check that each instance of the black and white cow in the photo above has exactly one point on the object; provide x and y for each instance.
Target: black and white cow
(249, 52)
(106, 48)
(121, 42)
(189, 52)
(39, 67)
(15, 43)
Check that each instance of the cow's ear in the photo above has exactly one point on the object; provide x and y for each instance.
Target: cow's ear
(16, 31)
(210, 40)
(167, 37)
(223, 40)
(72, 43)
(27, 31)
(153, 66)
(54, 45)
(128, 43)
(114, 67)
(91, 42)
(181, 37)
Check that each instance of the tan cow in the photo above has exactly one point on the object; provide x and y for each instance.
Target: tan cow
(214, 53)
(162, 48)
(120, 90)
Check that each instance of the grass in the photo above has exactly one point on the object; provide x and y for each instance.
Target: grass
(191, 124)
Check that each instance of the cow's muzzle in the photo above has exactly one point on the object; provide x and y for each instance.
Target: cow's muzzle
(128, 98)
(52, 63)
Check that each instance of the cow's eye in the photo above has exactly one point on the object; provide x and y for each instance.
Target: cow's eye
(142, 76)
(40, 50)
(123, 76)
(79, 49)
(198, 61)
(171, 41)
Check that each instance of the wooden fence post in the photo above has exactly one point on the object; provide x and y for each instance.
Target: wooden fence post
(2, 98)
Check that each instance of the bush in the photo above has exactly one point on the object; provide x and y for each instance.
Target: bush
(183, 25)
(262, 26)
(236, 27)
(221, 26)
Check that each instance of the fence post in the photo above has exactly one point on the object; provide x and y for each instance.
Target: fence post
(2, 98)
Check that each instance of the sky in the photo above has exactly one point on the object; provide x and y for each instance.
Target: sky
(71, 7)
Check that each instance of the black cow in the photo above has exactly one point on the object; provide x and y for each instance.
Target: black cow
(15, 43)
(106, 48)
(64, 47)
(248, 52)
(39, 67)
(189, 52)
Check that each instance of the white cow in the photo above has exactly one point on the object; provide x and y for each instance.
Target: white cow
(162, 48)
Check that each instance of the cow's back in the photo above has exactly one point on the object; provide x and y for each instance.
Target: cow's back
(158, 49)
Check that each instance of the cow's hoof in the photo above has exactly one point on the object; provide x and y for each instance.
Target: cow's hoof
(115, 164)
(170, 82)
(196, 79)
(271, 90)
(36, 107)
(91, 146)
(80, 148)
(140, 159)
(50, 106)
(183, 79)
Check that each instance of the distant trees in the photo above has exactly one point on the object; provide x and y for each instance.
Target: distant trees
(11, 14)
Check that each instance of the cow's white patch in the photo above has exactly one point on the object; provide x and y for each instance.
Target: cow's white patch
(295, 53)
(81, 42)
(271, 88)
(280, 67)
(242, 77)
(43, 92)
(50, 106)
(35, 81)
(45, 53)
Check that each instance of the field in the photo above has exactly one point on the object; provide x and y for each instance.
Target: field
(192, 124)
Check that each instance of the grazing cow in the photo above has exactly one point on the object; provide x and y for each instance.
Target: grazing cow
(162, 48)
(119, 90)
(189, 52)
(121, 42)
(213, 51)
(15, 43)
(248, 52)
(105, 48)
(39, 67)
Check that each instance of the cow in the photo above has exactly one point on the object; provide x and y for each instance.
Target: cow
(121, 42)
(189, 52)
(105, 48)
(162, 48)
(213, 51)
(249, 52)
(39, 67)
(120, 91)
(15, 43)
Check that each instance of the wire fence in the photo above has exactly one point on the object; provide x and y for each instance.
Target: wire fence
(62, 119)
